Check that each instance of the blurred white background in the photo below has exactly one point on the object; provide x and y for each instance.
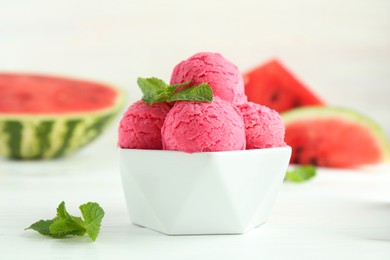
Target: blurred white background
(341, 49)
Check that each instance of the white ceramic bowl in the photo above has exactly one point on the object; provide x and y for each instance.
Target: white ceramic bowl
(178, 193)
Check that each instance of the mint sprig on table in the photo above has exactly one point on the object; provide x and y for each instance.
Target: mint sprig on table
(65, 224)
(156, 90)
(300, 173)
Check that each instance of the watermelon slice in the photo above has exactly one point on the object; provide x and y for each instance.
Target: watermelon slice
(334, 137)
(274, 86)
(44, 117)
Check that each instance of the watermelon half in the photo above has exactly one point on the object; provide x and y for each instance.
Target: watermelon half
(44, 117)
(334, 137)
(272, 85)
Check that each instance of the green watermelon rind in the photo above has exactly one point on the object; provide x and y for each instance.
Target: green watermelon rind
(353, 116)
(29, 137)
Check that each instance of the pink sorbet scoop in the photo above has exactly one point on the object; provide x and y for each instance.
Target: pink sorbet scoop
(223, 76)
(203, 127)
(140, 126)
(264, 127)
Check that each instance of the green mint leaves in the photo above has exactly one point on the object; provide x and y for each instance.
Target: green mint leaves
(156, 90)
(300, 173)
(93, 215)
(65, 224)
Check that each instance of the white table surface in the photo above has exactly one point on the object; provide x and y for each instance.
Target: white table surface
(341, 214)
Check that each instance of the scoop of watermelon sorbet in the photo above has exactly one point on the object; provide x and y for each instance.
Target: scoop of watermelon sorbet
(223, 76)
(140, 126)
(264, 127)
(203, 127)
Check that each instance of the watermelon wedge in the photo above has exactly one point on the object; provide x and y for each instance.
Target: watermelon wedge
(44, 117)
(334, 137)
(272, 85)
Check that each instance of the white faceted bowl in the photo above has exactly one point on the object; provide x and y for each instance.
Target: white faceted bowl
(177, 193)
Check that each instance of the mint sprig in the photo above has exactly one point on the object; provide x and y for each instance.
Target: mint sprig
(65, 224)
(300, 173)
(156, 90)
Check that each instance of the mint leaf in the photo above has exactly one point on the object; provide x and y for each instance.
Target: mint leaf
(149, 85)
(42, 227)
(65, 224)
(93, 215)
(61, 211)
(175, 86)
(300, 173)
(62, 227)
(156, 90)
(202, 92)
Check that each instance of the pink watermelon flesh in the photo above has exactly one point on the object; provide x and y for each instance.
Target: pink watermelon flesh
(332, 142)
(272, 85)
(33, 94)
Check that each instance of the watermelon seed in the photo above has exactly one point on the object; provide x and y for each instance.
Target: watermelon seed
(296, 103)
(297, 154)
(313, 161)
(275, 96)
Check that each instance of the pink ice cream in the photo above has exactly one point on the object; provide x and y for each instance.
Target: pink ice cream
(203, 127)
(140, 126)
(223, 76)
(264, 127)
